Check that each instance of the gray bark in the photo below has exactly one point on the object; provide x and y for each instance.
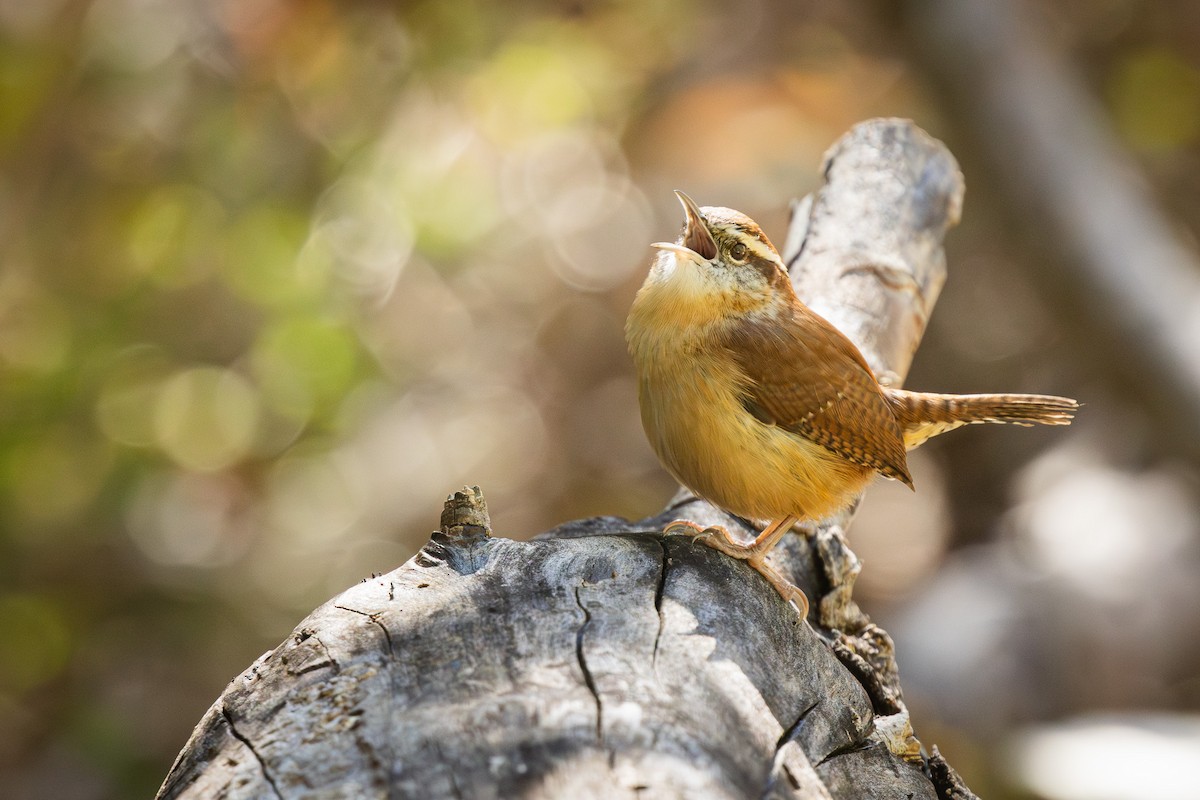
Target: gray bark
(601, 659)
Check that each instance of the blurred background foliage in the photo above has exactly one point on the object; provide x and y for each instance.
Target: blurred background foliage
(275, 277)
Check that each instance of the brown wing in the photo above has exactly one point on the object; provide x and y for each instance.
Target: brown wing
(832, 398)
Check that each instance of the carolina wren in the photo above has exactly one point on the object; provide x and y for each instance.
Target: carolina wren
(762, 407)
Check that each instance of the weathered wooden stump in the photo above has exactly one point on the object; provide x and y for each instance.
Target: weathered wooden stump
(601, 659)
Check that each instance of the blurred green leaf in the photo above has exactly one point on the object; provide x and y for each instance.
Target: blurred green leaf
(27, 76)
(305, 364)
(37, 641)
(174, 234)
(1155, 96)
(260, 259)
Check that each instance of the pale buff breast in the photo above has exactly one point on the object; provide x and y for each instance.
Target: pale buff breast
(696, 424)
(688, 390)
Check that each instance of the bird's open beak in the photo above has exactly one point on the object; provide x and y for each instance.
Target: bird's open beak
(681, 252)
(697, 240)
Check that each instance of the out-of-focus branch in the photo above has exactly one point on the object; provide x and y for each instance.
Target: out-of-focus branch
(1055, 158)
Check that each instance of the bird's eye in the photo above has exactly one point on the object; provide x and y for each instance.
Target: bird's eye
(738, 251)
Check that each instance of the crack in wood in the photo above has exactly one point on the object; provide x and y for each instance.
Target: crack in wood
(262, 765)
(301, 637)
(658, 598)
(852, 746)
(387, 635)
(793, 781)
(788, 735)
(588, 680)
(380, 769)
(799, 217)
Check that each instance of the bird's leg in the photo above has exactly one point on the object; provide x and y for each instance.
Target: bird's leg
(755, 554)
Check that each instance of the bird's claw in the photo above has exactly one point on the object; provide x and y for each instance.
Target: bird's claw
(719, 539)
(683, 527)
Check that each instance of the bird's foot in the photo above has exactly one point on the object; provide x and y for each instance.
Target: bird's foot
(754, 554)
(790, 592)
(683, 527)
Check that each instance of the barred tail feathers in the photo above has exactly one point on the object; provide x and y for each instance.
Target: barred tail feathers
(924, 415)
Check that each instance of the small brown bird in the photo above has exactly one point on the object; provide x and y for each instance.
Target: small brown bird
(761, 406)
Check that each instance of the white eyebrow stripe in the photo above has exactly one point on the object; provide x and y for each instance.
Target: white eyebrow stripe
(759, 249)
(756, 245)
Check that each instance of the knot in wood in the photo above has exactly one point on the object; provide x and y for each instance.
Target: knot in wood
(465, 516)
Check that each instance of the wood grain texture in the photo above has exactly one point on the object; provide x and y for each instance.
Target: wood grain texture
(602, 660)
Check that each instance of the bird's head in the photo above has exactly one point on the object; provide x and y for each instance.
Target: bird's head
(722, 264)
